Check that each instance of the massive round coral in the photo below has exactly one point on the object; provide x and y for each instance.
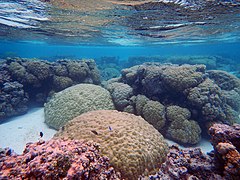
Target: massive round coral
(134, 146)
(56, 159)
(75, 100)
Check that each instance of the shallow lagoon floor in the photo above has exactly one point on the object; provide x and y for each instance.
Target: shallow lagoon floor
(18, 131)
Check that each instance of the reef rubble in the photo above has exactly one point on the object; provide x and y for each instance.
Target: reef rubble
(223, 163)
(57, 159)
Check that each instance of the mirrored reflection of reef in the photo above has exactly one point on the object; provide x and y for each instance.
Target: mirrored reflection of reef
(121, 22)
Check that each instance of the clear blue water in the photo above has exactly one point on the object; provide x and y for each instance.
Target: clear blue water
(47, 51)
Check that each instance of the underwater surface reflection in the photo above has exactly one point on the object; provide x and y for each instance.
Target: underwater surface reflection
(122, 22)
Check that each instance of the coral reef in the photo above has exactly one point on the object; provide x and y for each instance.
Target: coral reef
(153, 112)
(208, 96)
(40, 79)
(109, 73)
(109, 67)
(180, 78)
(222, 163)
(75, 100)
(56, 159)
(13, 98)
(121, 94)
(225, 140)
(133, 146)
(209, 61)
(182, 129)
(61, 82)
(189, 163)
(37, 75)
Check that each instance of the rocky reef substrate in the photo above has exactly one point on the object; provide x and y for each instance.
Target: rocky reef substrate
(57, 159)
(223, 163)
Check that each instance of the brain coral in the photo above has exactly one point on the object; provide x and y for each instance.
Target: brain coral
(134, 146)
(56, 159)
(74, 101)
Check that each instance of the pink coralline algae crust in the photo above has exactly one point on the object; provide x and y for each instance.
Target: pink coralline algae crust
(223, 163)
(226, 142)
(188, 163)
(57, 159)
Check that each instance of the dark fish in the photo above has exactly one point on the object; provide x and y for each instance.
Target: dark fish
(109, 127)
(8, 151)
(41, 134)
(94, 132)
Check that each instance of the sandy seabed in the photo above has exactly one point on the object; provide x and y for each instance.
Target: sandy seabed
(18, 131)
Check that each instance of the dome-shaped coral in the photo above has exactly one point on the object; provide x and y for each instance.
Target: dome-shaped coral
(74, 101)
(134, 146)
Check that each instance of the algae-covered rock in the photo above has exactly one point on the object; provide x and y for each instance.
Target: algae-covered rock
(134, 146)
(74, 101)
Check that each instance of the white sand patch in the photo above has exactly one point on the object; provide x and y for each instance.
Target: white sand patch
(204, 144)
(18, 131)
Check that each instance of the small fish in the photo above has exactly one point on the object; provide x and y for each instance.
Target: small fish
(109, 127)
(41, 134)
(94, 132)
